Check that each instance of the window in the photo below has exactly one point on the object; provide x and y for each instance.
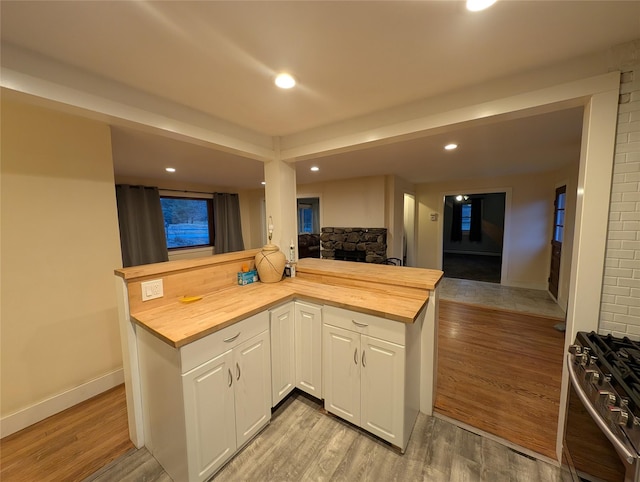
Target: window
(466, 217)
(188, 222)
(558, 225)
(308, 215)
(305, 219)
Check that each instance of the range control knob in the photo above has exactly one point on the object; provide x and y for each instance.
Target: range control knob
(592, 376)
(575, 349)
(606, 398)
(618, 416)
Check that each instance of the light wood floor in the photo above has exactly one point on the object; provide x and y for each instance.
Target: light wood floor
(70, 445)
(500, 372)
(304, 444)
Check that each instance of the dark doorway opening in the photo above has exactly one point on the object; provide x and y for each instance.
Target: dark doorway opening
(473, 236)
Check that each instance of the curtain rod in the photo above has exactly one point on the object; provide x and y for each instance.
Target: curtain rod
(185, 190)
(176, 190)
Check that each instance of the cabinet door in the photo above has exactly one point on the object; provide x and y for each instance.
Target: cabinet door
(252, 381)
(282, 352)
(382, 384)
(308, 348)
(209, 415)
(341, 368)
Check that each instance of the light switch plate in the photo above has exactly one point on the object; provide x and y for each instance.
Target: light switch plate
(151, 289)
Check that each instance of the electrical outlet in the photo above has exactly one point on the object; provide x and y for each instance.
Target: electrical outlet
(151, 289)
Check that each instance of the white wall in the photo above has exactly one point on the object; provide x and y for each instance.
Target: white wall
(620, 305)
(60, 245)
(350, 203)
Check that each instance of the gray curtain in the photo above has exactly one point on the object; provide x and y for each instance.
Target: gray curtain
(456, 222)
(226, 223)
(142, 235)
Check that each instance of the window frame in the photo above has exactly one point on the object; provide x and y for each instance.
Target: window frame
(192, 197)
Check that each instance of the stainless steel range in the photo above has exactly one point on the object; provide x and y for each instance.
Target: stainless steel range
(602, 432)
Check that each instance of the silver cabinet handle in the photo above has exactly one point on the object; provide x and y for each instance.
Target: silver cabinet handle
(237, 371)
(230, 377)
(355, 356)
(364, 361)
(361, 325)
(227, 340)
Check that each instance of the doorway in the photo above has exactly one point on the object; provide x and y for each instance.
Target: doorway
(473, 236)
(409, 231)
(308, 227)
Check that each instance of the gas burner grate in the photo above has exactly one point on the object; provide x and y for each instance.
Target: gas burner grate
(619, 357)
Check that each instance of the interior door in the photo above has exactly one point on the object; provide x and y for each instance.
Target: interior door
(556, 241)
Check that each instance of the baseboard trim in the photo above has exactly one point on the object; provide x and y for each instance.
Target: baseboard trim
(35, 413)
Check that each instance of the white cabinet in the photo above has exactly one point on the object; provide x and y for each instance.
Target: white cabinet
(209, 405)
(204, 401)
(296, 349)
(308, 348)
(371, 373)
(282, 352)
(252, 387)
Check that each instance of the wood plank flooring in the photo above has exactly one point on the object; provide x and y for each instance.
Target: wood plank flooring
(70, 445)
(500, 372)
(488, 377)
(302, 443)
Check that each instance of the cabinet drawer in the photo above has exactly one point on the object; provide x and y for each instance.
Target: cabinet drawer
(393, 331)
(204, 349)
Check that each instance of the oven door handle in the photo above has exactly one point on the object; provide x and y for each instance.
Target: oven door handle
(620, 447)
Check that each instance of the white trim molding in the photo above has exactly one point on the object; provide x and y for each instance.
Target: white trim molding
(35, 413)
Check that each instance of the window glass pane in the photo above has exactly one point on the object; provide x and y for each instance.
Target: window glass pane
(560, 217)
(466, 217)
(558, 233)
(562, 199)
(305, 219)
(186, 222)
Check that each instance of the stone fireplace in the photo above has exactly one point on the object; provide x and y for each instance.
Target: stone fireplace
(367, 245)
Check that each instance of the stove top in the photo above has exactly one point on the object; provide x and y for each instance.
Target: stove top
(620, 359)
(607, 370)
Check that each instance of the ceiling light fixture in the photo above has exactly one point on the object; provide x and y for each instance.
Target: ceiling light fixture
(263, 183)
(170, 169)
(478, 5)
(285, 81)
(451, 147)
(315, 168)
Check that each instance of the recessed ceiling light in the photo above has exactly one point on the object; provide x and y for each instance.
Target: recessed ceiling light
(315, 168)
(263, 183)
(477, 5)
(451, 147)
(285, 81)
(170, 169)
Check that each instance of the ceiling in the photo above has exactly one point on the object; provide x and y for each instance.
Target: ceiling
(351, 59)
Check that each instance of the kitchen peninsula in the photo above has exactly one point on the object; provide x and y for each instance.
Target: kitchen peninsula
(210, 353)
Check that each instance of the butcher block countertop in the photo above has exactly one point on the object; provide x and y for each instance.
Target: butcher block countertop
(395, 293)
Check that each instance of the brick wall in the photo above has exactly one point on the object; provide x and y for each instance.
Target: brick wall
(620, 305)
